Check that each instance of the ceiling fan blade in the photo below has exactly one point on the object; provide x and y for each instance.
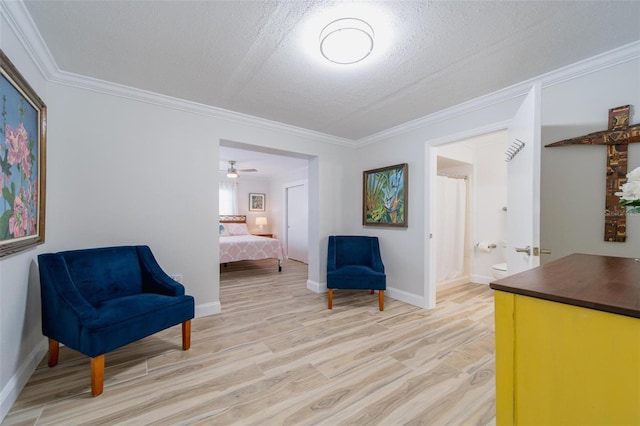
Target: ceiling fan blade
(247, 170)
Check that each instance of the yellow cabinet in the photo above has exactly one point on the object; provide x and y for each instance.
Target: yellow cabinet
(558, 363)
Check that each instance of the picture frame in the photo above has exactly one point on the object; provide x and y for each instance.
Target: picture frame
(23, 129)
(257, 202)
(385, 196)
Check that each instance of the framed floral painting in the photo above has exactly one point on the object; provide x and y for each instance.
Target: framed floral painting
(23, 118)
(256, 202)
(384, 196)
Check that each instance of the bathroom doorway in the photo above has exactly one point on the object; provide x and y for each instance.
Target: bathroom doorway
(521, 162)
(477, 165)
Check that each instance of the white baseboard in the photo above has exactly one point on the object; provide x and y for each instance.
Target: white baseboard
(403, 296)
(316, 287)
(207, 309)
(15, 385)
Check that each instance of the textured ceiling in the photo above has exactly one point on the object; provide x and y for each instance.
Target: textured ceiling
(261, 57)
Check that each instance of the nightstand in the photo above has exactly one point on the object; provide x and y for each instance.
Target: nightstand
(264, 235)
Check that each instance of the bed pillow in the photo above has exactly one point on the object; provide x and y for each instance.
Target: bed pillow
(222, 230)
(237, 229)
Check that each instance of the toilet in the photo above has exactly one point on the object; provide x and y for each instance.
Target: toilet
(499, 270)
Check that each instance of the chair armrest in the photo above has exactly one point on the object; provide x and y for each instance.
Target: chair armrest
(376, 258)
(154, 279)
(331, 254)
(58, 292)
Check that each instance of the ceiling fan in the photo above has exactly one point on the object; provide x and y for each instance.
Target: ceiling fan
(232, 172)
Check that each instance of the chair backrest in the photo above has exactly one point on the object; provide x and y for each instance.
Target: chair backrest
(353, 250)
(104, 273)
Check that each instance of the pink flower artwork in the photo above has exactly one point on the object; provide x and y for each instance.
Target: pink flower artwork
(18, 221)
(17, 141)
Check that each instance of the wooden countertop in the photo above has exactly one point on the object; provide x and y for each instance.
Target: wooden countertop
(605, 283)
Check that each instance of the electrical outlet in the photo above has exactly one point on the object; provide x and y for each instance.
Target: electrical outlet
(177, 277)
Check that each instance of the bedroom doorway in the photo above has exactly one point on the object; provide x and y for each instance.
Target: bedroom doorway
(273, 173)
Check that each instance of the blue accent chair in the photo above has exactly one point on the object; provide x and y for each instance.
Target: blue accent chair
(354, 263)
(97, 300)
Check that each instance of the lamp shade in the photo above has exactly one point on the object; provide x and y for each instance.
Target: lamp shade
(261, 220)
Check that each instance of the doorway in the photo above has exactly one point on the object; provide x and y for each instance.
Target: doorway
(470, 249)
(267, 171)
(296, 221)
(523, 189)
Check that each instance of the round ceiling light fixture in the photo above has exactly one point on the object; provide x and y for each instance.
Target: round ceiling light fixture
(346, 40)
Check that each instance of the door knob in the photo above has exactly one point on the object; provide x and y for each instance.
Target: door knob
(538, 251)
(526, 249)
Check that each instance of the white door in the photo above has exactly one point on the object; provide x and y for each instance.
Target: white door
(523, 187)
(297, 222)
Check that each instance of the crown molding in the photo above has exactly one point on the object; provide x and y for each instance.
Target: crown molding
(596, 63)
(139, 95)
(21, 23)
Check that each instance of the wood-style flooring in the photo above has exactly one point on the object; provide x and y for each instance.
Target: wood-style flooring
(277, 356)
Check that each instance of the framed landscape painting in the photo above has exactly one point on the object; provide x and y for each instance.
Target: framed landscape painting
(256, 202)
(23, 118)
(384, 196)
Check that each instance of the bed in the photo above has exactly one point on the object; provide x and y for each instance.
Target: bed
(237, 243)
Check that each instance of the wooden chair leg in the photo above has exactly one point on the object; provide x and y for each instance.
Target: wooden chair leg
(54, 351)
(330, 298)
(381, 299)
(371, 291)
(186, 335)
(97, 375)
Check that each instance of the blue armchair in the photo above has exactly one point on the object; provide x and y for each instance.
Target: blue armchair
(97, 300)
(354, 262)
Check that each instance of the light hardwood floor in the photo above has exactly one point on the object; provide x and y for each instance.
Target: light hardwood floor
(277, 356)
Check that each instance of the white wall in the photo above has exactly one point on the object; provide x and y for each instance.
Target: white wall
(402, 249)
(460, 151)
(247, 185)
(573, 177)
(572, 183)
(490, 220)
(407, 251)
(126, 171)
(124, 168)
(21, 343)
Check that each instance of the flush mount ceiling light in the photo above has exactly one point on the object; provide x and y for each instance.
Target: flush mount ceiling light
(346, 40)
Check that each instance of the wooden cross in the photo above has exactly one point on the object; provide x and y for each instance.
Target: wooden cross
(617, 138)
